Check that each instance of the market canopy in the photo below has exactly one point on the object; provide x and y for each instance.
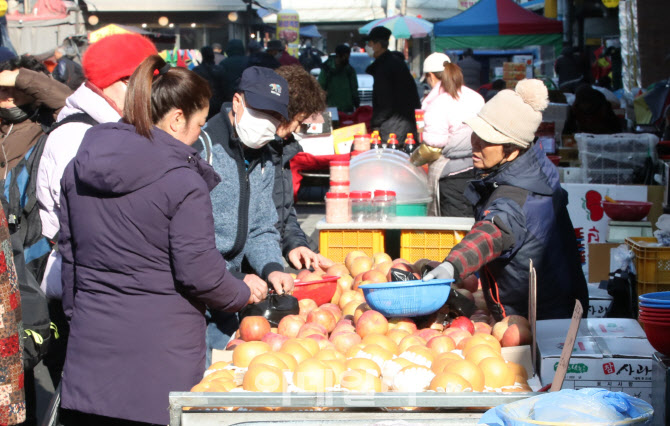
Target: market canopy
(497, 23)
(401, 26)
(310, 31)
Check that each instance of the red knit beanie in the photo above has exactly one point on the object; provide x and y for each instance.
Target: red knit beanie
(115, 57)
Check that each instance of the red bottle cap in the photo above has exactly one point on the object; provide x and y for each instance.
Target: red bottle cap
(339, 163)
(360, 194)
(337, 195)
(380, 193)
(343, 183)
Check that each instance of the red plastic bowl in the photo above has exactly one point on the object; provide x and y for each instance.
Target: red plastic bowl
(655, 310)
(321, 291)
(658, 334)
(655, 317)
(554, 159)
(627, 210)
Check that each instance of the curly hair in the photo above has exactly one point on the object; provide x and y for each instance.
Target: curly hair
(24, 61)
(305, 94)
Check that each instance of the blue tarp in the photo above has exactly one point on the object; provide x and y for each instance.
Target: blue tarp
(309, 31)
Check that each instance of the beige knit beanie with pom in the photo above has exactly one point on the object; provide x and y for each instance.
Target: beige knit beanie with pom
(512, 116)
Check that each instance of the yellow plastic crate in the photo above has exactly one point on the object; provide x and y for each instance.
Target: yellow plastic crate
(335, 244)
(434, 245)
(652, 265)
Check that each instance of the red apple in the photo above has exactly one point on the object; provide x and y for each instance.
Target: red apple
(516, 335)
(403, 323)
(344, 341)
(231, 345)
(371, 322)
(483, 328)
(253, 328)
(289, 326)
(337, 270)
(312, 328)
(380, 257)
(427, 333)
(274, 340)
(470, 283)
(384, 267)
(359, 265)
(458, 335)
(323, 317)
(348, 260)
(463, 323)
(334, 309)
(374, 276)
(302, 274)
(306, 306)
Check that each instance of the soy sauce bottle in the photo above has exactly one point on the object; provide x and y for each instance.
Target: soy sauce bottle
(392, 142)
(410, 144)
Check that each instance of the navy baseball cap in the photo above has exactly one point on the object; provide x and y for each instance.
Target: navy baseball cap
(265, 89)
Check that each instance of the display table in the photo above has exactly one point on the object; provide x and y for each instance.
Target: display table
(419, 237)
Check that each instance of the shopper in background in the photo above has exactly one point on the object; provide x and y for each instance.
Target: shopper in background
(305, 99)
(245, 216)
(107, 64)
(472, 70)
(277, 49)
(520, 211)
(218, 53)
(67, 71)
(233, 66)
(214, 75)
(446, 139)
(394, 92)
(140, 264)
(338, 79)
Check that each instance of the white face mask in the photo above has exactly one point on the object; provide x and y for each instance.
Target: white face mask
(256, 129)
(370, 51)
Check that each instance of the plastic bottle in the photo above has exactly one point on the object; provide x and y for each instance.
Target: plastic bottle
(410, 144)
(338, 208)
(361, 142)
(384, 204)
(339, 171)
(375, 142)
(392, 142)
(361, 206)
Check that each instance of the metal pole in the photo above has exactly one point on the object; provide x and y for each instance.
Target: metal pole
(403, 7)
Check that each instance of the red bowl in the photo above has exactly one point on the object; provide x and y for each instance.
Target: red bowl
(647, 310)
(554, 159)
(658, 334)
(626, 210)
(321, 291)
(655, 317)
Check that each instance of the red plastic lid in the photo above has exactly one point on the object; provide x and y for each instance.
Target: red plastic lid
(339, 163)
(360, 194)
(379, 193)
(344, 182)
(362, 135)
(355, 153)
(337, 195)
(393, 141)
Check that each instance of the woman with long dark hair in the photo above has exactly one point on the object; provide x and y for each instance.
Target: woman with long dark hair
(140, 264)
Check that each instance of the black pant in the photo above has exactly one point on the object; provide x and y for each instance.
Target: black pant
(77, 418)
(55, 357)
(452, 201)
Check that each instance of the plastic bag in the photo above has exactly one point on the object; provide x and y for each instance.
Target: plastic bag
(623, 258)
(589, 405)
(663, 232)
(273, 308)
(401, 275)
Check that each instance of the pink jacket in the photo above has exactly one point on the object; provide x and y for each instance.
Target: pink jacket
(444, 117)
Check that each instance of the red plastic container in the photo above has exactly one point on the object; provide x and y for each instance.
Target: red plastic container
(655, 310)
(658, 334)
(655, 317)
(554, 159)
(321, 291)
(626, 210)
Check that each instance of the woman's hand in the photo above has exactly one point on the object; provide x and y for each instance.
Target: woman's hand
(300, 256)
(258, 287)
(281, 282)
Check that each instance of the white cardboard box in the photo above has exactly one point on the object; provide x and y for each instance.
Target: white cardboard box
(608, 353)
(599, 301)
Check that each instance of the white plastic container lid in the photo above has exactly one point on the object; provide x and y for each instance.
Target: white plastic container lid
(389, 170)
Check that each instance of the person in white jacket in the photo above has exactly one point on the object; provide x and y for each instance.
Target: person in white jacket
(445, 138)
(107, 65)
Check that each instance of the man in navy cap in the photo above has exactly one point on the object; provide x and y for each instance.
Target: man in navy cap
(394, 93)
(244, 212)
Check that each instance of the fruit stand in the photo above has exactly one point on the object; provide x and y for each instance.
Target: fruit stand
(188, 409)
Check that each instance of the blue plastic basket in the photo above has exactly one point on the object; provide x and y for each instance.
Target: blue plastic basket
(407, 298)
(659, 298)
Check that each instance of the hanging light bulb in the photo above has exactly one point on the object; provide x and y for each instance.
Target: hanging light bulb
(163, 21)
(93, 20)
(232, 16)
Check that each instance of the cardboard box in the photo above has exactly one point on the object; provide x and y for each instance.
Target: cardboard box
(608, 353)
(599, 301)
(599, 261)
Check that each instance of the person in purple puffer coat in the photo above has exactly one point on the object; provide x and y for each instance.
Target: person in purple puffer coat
(140, 264)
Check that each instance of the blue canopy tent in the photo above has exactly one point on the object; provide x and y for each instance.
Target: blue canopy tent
(310, 31)
(499, 24)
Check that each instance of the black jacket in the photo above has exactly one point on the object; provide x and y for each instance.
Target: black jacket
(394, 97)
(524, 199)
(291, 234)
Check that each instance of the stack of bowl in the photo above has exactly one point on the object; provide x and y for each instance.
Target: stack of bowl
(655, 318)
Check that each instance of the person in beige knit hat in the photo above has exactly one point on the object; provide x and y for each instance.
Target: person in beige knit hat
(520, 211)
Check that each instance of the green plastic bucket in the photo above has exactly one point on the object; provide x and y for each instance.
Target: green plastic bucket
(414, 209)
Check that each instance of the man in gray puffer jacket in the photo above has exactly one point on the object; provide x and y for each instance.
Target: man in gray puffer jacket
(244, 212)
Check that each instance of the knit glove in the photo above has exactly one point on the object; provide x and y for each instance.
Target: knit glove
(444, 271)
(425, 154)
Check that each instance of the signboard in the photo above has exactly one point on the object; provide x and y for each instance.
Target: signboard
(611, 3)
(466, 4)
(288, 28)
(108, 30)
(587, 215)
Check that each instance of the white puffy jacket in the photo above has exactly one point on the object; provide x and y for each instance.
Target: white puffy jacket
(60, 149)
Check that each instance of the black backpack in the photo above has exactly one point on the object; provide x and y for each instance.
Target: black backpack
(30, 248)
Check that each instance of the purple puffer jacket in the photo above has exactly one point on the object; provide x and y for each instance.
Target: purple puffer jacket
(139, 267)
